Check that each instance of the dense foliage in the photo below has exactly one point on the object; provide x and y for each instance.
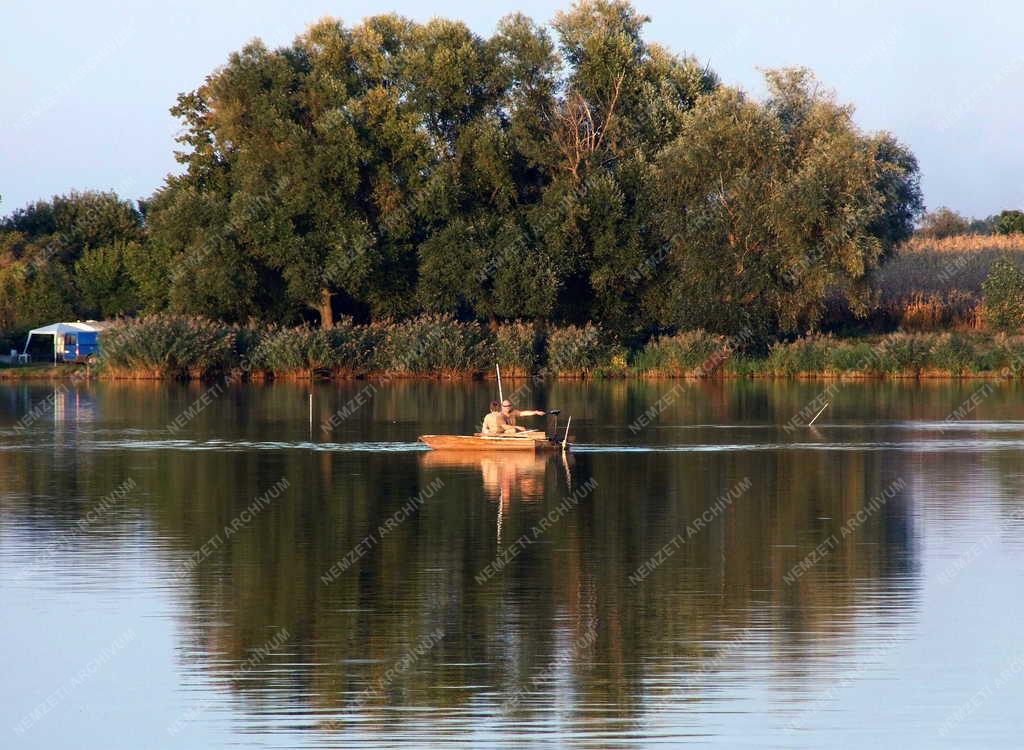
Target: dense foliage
(1010, 222)
(574, 174)
(73, 257)
(770, 207)
(1004, 296)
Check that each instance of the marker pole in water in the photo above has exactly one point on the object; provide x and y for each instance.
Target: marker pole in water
(497, 369)
(565, 440)
(811, 423)
(311, 416)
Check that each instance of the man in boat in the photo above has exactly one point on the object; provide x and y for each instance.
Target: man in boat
(495, 423)
(509, 413)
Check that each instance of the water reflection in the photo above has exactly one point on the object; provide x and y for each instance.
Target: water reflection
(409, 642)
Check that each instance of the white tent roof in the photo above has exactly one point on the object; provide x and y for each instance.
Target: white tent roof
(59, 329)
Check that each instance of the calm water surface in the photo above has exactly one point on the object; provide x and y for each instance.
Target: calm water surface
(710, 579)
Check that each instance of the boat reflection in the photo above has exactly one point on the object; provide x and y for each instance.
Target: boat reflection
(507, 476)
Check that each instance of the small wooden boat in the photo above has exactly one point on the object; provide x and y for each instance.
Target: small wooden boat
(515, 462)
(534, 440)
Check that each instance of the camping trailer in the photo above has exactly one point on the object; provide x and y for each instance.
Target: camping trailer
(72, 342)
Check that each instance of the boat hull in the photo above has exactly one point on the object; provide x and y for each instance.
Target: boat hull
(490, 443)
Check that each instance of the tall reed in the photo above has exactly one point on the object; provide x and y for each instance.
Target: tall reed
(167, 346)
(517, 348)
(432, 345)
(685, 354)
(583, 352)
(934, 284)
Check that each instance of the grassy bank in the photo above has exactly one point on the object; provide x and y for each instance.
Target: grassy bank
(41, 371)
(898, 355)
(433, 346)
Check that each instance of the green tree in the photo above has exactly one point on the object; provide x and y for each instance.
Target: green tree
(1003, 296)
(62, 258)
(76, 221)
(396, 166)
(46, 296)
(104, 285)
(1010, 222)
(941, 223)
(767, 208)
(574, 174)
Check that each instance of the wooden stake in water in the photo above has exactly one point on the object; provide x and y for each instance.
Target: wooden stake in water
(565, 440)
(811, 423)
(310, 416)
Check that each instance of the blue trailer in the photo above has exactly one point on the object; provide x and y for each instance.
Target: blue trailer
(78, 347)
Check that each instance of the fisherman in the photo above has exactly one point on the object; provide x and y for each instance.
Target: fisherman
(510, 415)
(495, 422)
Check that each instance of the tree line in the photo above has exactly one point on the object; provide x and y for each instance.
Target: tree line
(944, 222)
(568, 173)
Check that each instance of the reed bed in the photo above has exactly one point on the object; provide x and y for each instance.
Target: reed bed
(583, 352)
(965, 243)
(686, 354)
(932, 285)
(897, 355)
(168, 346)
(517, 348)
(432, 345)
(441, 346)
(299, 353)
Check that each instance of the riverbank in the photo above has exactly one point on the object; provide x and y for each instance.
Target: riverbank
(440, 347)
(41, 372)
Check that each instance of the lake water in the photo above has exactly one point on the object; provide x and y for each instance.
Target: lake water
(183, 567)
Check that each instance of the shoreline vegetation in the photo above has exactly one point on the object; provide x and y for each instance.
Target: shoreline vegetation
(563, 173)
(399, 199)
(440, 347)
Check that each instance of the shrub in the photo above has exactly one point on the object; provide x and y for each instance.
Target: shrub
(1005, 356)
(583, 351)
(851, 357)
(689, 353)
(13, 339)
(1004, 297)
(952, 354)
(515, 348)
(806, 355)
(904, 353)
(168, 346)
(352, 347)
(1010, 222)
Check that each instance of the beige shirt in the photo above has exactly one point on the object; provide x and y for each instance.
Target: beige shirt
(494, 424)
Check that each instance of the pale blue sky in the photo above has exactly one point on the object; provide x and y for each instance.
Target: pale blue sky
(87, 86)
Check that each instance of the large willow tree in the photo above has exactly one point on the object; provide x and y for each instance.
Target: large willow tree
(395, 166)
(770, 208)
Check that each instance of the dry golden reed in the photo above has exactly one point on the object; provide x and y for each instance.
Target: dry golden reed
(932, 284)
(965, 243)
